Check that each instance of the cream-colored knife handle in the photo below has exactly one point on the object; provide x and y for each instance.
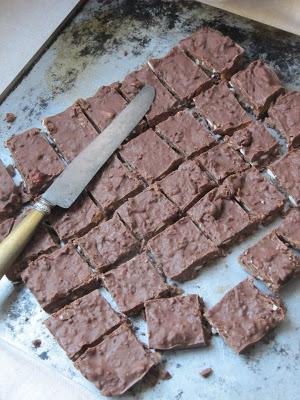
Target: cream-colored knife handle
(12, 246)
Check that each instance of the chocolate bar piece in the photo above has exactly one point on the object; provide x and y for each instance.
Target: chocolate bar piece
(10, 200)
(289, 230)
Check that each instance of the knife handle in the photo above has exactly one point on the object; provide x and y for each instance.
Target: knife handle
(12, 246)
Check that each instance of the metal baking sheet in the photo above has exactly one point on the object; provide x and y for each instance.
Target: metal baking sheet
(103, 43)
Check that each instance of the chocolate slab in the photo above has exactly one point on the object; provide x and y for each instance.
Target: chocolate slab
(285, 117)
(254, 191)
(35, 159)
(176, 323)
(113, 185)
(286, 172)
(107, 244)
(83, 323)
(71, 131)
(117, 363)
(221, 109)
(182, 76)
(222, 161)
(10, 200)
(258, 86)
(221, 218)
(133, 283)
(186, 185)
(181, 250)
(183, 132)
(103, 107)
(215, 52)
(245, 315)
(271, 261)
(164, 103)
(57, 279)
(289, 229)
(76, 220)
(150, 156)
(6, 227)
(256, 144)
(148, 213)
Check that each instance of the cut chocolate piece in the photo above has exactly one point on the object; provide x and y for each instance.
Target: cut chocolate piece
(148, 213)
(186, 134)
(186, 185)
(182, 76)
(289, 230)
(222, 161)
(59, 278)
(256, 144)
(104, 106)
(256, 193)
(285, 117)
(71, 131)
(6, 227)
(35, 159)
(107, 244)
(77, 220)
(286, 172)
(245, 315)
(221, 109)
(175, 323)
(113, 185)
(181, 250)
(164, 103)
(150, 156)
(10, 200)
(117, 363)
(258, 85)
(215, 52)
(271, 261)
(206, 372)
(221, 218)
(83, 323)
(133, 283)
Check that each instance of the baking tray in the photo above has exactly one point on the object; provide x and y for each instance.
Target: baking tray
(90, 52)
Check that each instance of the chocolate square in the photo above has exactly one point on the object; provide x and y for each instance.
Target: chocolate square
(133, 283)
(215, 52)
(176, 323)
(186, 134)
(117, 363)
(10, 200)
(245, 315)
(113, 185)
(148, 213)
(164, 103)
(83, 323)
(186, 185)
(285, 117)
(182, 76)
(35, 159)
(289, 229)
(150, 156)
(286, 172)
(256, 144)
(221, 110)
(71, 131)
(222, 219)
(57, 279)
(107, 244)
(76, 220)
(222, 161)
(271, 261)
(258, 85)
(254, 191)
(181, 250)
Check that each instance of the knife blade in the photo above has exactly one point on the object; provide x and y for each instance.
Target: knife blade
(75, 177)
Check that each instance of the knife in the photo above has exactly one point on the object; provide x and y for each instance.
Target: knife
(75, 177)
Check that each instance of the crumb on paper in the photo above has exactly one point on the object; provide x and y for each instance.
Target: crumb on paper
(36, 343)
(10, 117)
(125, 53)
(205, 373)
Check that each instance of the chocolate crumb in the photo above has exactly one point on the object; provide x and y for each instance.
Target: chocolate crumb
(10, 169)
(165, 375)
(125, 53)
(206, 372)
(36, 343)
(10, 117)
